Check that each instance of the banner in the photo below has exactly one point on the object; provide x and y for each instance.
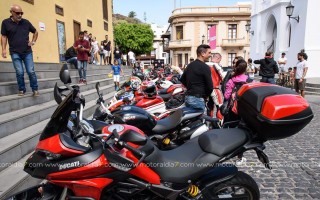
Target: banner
(212, 37)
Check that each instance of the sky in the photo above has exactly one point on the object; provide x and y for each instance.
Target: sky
(159, 11)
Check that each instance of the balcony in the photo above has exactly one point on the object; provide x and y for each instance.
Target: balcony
(222, 9)
(234, 42)
(179, 44)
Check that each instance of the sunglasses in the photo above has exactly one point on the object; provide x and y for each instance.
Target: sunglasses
(17, 13)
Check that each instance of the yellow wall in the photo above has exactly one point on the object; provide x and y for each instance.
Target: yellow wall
(46, 48)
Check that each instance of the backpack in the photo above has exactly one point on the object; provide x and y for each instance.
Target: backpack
(231, 104)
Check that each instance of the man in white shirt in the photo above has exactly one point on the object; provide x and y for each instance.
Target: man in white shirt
(282, 64)
(131, 58)
(300, 73)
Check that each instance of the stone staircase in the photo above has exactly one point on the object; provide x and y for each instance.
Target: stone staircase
(22, 119)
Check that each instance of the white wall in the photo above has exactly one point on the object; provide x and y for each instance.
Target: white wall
(304, 35)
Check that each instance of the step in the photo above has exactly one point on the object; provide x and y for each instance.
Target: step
(20, 119)
(12, 176)
(10, 88)
(18, 144)
(46, 74)
(8, 66)
(14, 102)
(312, 93)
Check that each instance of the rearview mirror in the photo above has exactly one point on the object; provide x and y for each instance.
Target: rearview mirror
(97, 87)
(65, 74)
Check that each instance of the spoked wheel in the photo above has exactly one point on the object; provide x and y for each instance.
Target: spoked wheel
(242, 186)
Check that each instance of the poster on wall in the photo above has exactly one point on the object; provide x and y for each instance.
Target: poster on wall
(212, 37)
(42, 26)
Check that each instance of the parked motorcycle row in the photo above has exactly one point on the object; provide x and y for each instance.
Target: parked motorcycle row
(130, 152)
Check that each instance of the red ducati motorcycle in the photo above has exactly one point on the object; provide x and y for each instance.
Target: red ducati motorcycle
(120, 162)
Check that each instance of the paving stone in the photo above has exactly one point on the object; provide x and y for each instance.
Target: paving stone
(295, 162)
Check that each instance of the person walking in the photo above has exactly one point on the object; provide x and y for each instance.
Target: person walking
(197, 79)
(300, 73)
(83, 47)
(268, 67)
(15, 30)
(116, 69)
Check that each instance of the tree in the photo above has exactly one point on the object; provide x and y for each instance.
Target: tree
(132, 14)
(137, 37)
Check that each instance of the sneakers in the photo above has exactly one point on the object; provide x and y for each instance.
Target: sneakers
(241, 161)
(84, 81)
(36, 93)
(21, 93)
(81, 81)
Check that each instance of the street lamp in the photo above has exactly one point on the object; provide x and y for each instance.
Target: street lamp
(289, 11)
(203, 38)
(248, 27)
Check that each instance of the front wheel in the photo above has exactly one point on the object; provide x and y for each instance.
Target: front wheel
(241, 186)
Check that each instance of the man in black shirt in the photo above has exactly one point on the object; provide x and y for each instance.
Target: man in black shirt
(268, 67)
(16, 30)
(197, 79)
(107, 50)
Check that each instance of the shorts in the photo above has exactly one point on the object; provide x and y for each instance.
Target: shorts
(282, 70)
(106, 53)
(298, 85)
(116, 78)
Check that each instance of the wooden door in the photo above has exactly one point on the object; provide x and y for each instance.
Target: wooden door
(76, 29)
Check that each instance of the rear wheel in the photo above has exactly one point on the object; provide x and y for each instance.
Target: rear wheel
(241, 186)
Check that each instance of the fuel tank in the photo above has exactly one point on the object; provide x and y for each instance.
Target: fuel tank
(134, 116)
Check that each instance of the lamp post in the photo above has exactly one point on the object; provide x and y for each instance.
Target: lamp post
(289, 11)
(203, 38)
(248, 27)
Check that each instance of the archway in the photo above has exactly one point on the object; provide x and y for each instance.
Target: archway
(271, 34)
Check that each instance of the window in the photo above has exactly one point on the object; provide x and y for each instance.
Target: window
(89, 23)
(231, 57)
(29, 1)
(59, 10)
(179, 32)
(180, 60)
(289, 38)
(105, 26)
(186, 60)
(105, 9)
(232, 31)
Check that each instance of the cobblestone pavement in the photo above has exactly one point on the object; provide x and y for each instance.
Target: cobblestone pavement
(295, 162)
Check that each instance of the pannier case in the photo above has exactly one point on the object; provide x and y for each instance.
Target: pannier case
(272, 112)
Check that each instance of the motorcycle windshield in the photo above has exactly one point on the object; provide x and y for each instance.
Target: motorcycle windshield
(59, 119)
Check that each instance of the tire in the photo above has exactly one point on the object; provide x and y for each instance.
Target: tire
(241, 182)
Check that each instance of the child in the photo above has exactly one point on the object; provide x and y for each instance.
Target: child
(238, 79)
(291, 75)
(116, 68)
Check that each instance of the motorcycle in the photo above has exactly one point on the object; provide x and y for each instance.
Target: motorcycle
(120, 162)
(168, 133)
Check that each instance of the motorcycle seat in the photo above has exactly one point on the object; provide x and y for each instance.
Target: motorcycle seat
(168, 123)
(163, 91)
(222, 141)
(187, 110)
(165, 97)
(186, 162)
